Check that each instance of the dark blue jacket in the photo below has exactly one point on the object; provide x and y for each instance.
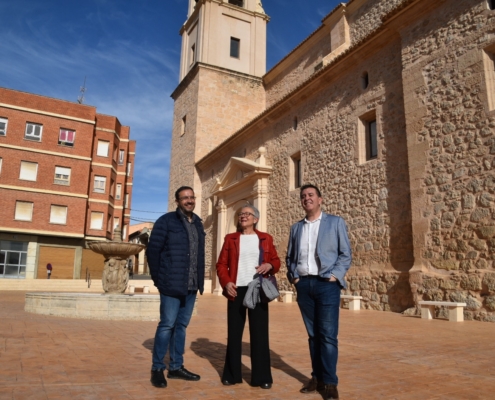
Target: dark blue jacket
(168, 254)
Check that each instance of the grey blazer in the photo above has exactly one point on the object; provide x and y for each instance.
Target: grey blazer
(333, 249)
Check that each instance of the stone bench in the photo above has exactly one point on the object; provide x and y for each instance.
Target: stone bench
(456, 310)
(354, 301)
(132, 288)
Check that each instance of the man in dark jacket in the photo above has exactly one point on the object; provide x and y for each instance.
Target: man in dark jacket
(176, 258)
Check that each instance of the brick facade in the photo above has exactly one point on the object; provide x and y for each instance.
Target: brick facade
(45, 189)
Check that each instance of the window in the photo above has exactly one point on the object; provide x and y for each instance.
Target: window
(3, 126)
(235, 45)
(29, 171)
(62, 176)
(295, 123)
(126, 201)
(23, 211)
(372, 145)
(124, 233)
(0, 165)
(193, 54)
(109, 223)
(99, 186)
(238, 3)
(96, 220)
(367, 137)
(491, 4)
(66, 137)
(58, 215)
(33, 132)
(116, 222)
(112, 187)
(121, 157)
(102, 149)
(13, 257)
(364, 80)
(183, 126)
(295, 171)
(118, 191)
(129, 167)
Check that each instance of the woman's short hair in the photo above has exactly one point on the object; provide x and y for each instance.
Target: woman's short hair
(255, 210)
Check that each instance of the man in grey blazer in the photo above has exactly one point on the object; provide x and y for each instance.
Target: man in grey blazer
(318, 257)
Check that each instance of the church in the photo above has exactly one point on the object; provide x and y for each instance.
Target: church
(388, 107)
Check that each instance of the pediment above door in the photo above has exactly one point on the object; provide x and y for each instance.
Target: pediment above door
(238, 172)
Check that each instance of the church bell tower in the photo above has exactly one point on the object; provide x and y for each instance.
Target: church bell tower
(223, 59)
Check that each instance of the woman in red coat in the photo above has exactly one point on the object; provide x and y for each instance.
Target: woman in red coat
(244, 255)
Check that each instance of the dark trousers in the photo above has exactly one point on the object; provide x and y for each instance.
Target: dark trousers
(258, 333)
(319, 302)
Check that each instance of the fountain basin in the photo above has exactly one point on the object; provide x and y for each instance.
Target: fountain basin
(136, 307)
(115, 249)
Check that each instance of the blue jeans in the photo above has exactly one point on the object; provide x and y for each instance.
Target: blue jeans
(175, 314)
(319, 302)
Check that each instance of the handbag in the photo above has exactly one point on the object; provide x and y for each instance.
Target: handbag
(268, 288)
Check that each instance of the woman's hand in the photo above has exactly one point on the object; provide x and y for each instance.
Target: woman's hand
(264, 268)
(231, 289)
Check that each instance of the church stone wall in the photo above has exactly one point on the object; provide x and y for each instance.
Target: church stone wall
(453, 130)
(226, 101)
(182, 157)
(373, 197)
(289, 75)
(421, 216)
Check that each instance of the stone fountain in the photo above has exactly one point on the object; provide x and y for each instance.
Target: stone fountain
(113, 303)
(115, 274)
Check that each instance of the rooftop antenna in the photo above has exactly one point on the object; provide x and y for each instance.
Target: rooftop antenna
(80, 99)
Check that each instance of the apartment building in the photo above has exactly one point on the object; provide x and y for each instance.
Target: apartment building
(65, 179)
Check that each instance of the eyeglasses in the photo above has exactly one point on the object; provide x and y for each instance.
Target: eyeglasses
(187, 198)
(246, 214)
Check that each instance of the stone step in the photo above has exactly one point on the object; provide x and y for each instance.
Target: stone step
(67, 285)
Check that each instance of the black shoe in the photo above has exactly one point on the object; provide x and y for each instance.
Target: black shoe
(330, 392)
(183, 373)
(158, 379)
(266, 386)
(225, 382)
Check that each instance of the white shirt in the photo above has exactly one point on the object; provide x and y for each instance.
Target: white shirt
(249, 259)
(307, 263)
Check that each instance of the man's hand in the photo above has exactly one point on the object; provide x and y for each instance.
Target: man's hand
(333, 279)
(231, 289)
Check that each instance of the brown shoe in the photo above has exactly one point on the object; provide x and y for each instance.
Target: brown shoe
(330, 392)
(312, 386)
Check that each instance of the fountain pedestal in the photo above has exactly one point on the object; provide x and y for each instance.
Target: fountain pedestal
(115, 273)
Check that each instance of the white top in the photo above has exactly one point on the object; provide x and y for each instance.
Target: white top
(307, 263)
(249, 258)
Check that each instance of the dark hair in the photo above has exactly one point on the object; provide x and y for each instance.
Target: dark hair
(310, 186)
(177, 192)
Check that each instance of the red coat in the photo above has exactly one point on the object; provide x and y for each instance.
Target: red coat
(228, 260)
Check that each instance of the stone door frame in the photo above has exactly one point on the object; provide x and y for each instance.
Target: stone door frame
(242, 181)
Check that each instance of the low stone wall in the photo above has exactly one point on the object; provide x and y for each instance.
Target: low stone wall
(381, 290)
(95, 306)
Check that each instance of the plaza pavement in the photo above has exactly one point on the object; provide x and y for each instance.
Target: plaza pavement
(382, 356)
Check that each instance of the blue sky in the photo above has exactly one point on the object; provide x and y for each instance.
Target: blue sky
(129, 52)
